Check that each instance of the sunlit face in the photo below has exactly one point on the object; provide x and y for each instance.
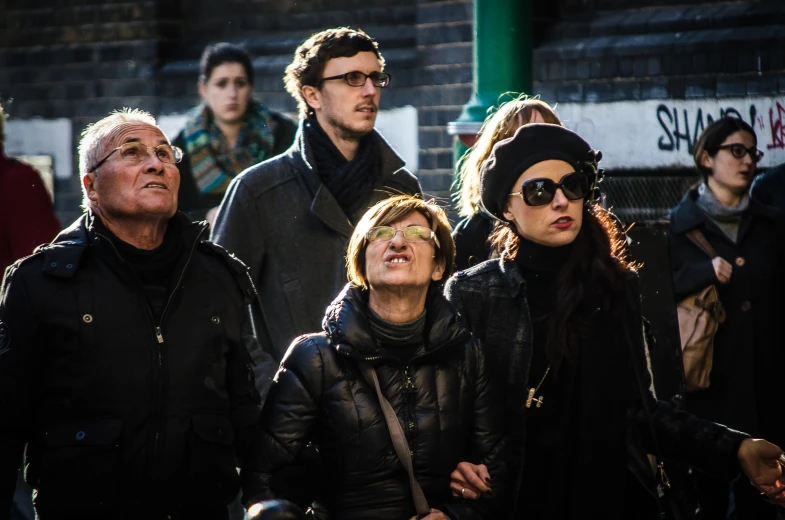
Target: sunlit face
(727, 171)
(227, 92)
(554, 224)
(399, 263)
(121, 189)
(346, 111)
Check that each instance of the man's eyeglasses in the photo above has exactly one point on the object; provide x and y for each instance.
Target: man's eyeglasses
(739, 151)
(135, 153)
(539, 192)
(411, 234)
(356, 78)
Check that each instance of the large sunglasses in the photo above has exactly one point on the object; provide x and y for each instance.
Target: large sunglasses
(411, 234)
(539, 192)
(739, 151)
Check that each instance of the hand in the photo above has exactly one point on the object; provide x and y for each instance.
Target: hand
(759, 461)
(722, 269)
(435, 514)
(470, 481)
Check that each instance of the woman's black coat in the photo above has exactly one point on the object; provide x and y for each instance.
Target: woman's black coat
(748, 349)
(452, 414)
(491, 298)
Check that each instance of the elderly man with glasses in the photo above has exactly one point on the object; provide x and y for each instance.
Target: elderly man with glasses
(126, 355)
(290, 218)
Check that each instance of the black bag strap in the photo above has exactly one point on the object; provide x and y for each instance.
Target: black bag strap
(398, 438)
(696, 237)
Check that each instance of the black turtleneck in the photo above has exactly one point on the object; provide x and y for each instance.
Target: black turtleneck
(400, 340)
(154, 268)
(582, 417)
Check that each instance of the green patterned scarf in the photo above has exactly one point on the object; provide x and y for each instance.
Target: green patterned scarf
(213, 163)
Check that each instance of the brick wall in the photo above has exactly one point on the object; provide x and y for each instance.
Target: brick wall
(706, 51)
(93, 56)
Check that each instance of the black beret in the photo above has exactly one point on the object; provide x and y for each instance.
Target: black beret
(531, 144)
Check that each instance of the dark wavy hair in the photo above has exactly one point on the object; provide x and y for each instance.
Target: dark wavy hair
(220, 53)
(596, 272)
(312, 56)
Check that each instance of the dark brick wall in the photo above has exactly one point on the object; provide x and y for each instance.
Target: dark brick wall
(704, 51)
(83, 60)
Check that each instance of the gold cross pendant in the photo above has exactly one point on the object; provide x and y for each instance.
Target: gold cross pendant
(531, 399)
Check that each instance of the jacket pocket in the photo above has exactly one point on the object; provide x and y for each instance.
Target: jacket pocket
(213, 474)
(78, 454)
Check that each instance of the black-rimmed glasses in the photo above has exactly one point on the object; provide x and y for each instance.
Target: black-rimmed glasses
(738, 150)
(410, 234)
(356, 78)
(539, 192)
(135, 153)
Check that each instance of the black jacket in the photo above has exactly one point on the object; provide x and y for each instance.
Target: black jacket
(280, 220)
(769, 187)
(453, 413)
(491, 298)
(117, 408)
(748, 353)
(471, 240)
(195, 203)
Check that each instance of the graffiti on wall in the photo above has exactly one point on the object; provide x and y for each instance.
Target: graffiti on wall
(662, 133)
(682, 127)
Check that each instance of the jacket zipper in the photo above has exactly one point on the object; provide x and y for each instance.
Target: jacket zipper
(410, 394)
(158, 411)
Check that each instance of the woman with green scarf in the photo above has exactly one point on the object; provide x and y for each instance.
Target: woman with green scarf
(228, 132)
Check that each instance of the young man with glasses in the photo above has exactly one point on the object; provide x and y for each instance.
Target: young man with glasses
(290, 218)
(126, 355)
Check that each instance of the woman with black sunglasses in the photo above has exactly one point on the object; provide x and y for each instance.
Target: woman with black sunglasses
(745, 379)
(559, 314)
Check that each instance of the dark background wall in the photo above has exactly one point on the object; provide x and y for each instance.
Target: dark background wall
(80, 59)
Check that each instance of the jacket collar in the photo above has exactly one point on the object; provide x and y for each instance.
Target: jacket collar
(688, 215)
(324, 206)
(511, 274)
(64, 254)
(347, 327)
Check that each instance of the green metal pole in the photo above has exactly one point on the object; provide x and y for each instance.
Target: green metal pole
(502, 61)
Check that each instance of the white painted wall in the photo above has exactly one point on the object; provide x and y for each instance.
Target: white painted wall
(42, 137)
(660, 133)
(397, 125)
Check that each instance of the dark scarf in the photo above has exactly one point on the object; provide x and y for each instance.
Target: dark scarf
(155, 268)
(213, 162)
(350, 182)
(579, 431)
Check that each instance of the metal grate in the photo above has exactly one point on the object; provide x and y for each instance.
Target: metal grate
(636, 198)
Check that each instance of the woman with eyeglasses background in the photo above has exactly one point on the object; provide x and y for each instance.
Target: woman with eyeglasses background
(472, 232)
(228, 132)
(393, 320)
(746, 378)
(559, 315)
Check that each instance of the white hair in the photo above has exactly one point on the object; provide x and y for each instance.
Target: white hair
(94, 134)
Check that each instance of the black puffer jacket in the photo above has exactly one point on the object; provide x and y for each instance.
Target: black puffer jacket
(116, 408)
(453, 414)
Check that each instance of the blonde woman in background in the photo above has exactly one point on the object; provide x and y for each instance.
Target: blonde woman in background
(472, 232)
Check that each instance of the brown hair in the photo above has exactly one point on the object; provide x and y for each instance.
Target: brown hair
(313, 54)
(714, 135)
(502, 124)
(391, 210)
(597, 270)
